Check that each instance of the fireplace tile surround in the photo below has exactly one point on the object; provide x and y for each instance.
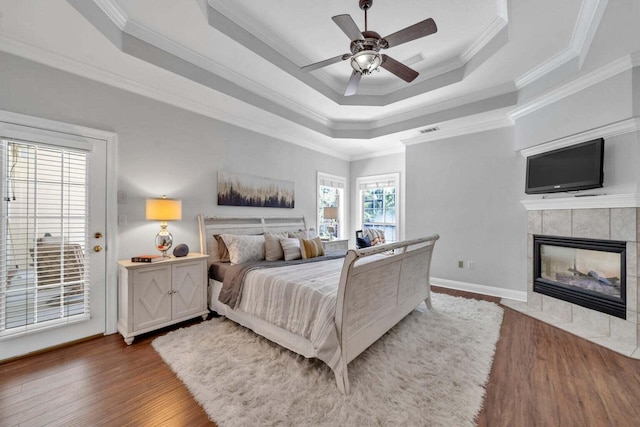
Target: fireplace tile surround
(604, 223)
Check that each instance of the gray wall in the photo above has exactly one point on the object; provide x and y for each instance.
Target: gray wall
(467, 189)
(394, 163)
(601, 104)
(164, 150)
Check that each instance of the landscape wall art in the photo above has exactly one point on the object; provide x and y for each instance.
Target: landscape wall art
(235, 189)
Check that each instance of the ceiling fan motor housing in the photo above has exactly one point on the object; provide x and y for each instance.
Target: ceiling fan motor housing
(365, 4)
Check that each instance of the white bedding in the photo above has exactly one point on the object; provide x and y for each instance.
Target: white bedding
(299, 299)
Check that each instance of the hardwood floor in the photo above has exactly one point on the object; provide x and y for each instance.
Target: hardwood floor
(541, 376)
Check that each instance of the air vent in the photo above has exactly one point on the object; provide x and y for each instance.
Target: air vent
(431, 129)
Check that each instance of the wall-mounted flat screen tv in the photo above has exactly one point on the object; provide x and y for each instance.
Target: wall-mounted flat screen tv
(578, 167)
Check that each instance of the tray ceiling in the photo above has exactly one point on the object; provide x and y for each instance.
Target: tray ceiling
(250, 53)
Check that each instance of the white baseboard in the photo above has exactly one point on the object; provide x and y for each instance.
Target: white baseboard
(480, 289)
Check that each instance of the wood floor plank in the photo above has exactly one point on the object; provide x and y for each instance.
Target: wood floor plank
(541, 376)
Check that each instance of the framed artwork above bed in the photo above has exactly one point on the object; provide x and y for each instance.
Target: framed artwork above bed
(236, 189)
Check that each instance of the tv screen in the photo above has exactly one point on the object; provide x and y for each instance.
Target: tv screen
(578, 167)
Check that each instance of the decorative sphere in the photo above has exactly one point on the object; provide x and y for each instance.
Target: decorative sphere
(181, 250)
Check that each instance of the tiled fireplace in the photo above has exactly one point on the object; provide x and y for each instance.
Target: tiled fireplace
(619, 331)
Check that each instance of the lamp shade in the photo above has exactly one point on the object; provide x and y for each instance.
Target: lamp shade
(164, 209)
(330, 213)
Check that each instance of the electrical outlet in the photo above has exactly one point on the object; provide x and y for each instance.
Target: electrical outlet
(471, 265)
(460, 264)
(122, 220)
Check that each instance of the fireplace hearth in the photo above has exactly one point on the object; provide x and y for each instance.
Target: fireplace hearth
(587, 272)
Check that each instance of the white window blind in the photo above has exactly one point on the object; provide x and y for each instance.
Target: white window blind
(44, 272)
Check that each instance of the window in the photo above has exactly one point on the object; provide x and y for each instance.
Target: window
(378, 198)
(43, 271)
(331, 206)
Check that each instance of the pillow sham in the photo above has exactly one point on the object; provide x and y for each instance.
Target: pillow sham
(244, 248)
(291, 248)
(376, 235)
(272, 247)
(223, 251)
(303, 234)
(311, 248)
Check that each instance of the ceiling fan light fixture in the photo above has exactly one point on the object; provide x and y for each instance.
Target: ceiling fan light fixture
(366, 61)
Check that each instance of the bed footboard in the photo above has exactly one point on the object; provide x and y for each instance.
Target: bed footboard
(375, 294)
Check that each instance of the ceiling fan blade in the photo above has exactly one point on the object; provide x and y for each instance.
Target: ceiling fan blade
(326, 62)
(421, 29)
(399, 69)
(346, 24)
(352, 86)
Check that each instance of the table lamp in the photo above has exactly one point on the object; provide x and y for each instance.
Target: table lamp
(331, 213)
(164, 210)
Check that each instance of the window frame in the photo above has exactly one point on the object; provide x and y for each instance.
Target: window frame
(323, 177)
(373, 180)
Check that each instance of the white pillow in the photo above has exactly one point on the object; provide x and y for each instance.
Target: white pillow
(244, 248)
(291, 248)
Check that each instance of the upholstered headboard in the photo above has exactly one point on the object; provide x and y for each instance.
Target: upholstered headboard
(210, 226)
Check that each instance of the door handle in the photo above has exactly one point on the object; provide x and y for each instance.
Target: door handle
(97, 248)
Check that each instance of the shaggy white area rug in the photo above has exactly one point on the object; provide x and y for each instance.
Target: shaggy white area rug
(429, 370)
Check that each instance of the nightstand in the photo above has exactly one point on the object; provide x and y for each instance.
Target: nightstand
(154, 295)
(335, 245)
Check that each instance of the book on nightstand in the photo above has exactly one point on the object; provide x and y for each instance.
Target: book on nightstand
(147, 258)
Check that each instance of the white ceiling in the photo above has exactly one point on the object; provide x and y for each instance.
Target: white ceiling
(240, 61)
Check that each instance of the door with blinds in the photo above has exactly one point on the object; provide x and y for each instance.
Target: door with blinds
(52, 263)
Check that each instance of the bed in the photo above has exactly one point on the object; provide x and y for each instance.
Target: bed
(332, 307)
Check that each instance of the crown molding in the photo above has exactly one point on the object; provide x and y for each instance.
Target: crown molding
(113, 10)
(581, 83)
(154, 38)
(546, 67)
(460, 131)
(383, 153)
(591, 11)
(448, 104)
(614, 129)
(502, 9)
(484, 38)
(100, 75)
(604, 201)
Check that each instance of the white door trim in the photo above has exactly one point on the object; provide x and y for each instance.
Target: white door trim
(111, 212)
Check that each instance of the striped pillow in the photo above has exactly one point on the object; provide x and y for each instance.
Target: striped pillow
(291, 248)
(311, 248)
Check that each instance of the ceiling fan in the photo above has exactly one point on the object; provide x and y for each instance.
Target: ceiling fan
(365, 48)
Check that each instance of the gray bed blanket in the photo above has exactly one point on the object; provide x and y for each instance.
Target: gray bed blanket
(233, 282)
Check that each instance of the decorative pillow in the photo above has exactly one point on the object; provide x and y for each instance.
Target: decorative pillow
(311, 248)
(244, 248)
(363, 242)
(303, 234)
(272, 247)
(375, 235)
(291, 248)
(223, 252)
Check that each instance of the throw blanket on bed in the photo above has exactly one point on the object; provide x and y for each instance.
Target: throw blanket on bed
(233, 283)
